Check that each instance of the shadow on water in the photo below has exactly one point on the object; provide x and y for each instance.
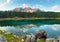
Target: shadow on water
(25, 22)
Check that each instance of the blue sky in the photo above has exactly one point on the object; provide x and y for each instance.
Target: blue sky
(47, 5)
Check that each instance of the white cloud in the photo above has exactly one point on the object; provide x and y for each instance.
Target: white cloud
(8, 1)
(55, 8)
(3, 5)
(25, 5)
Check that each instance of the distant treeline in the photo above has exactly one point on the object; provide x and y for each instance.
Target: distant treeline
(13, 14)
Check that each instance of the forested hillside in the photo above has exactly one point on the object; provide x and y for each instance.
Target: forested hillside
(13, 14)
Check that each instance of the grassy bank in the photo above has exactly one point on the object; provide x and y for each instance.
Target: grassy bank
(25, 18)
(14, 38)
(11, 37)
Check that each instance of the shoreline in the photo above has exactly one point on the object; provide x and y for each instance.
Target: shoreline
(25, 18)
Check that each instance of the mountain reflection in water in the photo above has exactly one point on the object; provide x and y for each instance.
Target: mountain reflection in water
(52, 30)
(23, 27)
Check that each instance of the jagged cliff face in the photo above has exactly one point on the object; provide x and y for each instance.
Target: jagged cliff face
(18, 9)
(27, 9)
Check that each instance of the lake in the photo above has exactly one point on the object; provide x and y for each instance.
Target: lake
(25, 22)
(23, 27)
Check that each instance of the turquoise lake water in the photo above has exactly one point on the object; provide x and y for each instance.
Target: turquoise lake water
(23, 27)
(25, 22)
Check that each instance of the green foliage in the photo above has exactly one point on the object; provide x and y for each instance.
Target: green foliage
(13, 14)
(10, 37)
(40, 40)
(14, 38)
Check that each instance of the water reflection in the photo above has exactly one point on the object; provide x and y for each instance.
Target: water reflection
(52, 30)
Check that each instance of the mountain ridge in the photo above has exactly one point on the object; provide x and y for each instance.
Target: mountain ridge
(27, 9)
